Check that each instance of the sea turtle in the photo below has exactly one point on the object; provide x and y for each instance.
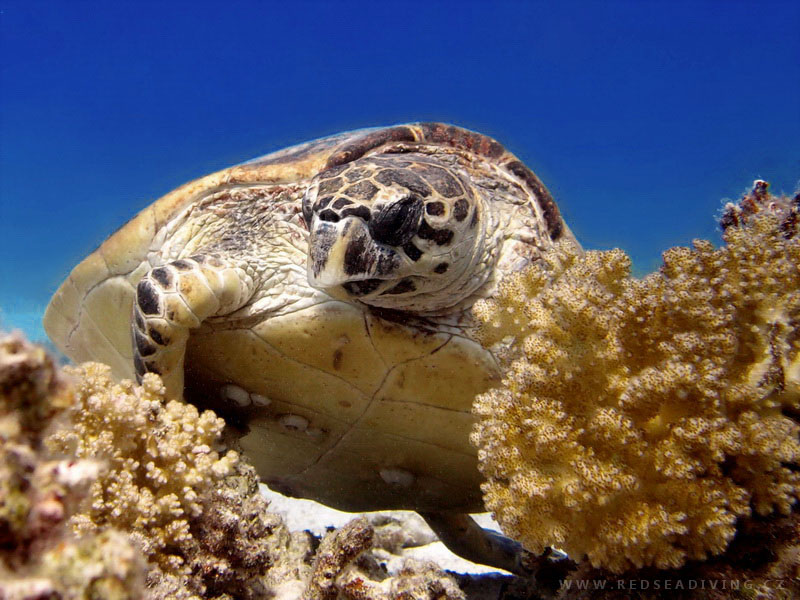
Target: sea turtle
(319, 298)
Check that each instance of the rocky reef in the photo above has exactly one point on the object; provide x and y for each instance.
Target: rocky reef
(640, 421)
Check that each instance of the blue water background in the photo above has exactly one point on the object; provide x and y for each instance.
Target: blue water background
(641, 117)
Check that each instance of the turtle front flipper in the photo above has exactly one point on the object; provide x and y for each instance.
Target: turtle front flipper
(175, 298)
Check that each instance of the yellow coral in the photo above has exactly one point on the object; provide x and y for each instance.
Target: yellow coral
(161, 457)
(638, 419)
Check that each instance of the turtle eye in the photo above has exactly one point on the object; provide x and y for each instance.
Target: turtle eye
(398, 222)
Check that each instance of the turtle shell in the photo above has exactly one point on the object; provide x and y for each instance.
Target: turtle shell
(334, 402)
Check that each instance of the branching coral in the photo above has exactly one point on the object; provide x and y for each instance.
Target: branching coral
(639, 419)
(194, 511)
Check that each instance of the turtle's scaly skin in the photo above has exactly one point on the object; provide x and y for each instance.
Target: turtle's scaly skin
(319, 298)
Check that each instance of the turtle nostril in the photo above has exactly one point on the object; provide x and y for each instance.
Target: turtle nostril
(397, 223)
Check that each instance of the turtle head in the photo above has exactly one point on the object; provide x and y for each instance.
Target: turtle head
(402, 232)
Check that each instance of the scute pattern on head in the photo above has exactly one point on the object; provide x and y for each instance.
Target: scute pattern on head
(350, 189)
(423, 237)
(382, 230)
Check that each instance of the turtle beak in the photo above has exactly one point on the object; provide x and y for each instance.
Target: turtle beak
(344, 260)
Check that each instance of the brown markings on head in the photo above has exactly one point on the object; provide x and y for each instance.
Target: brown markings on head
(322, 203)
(357, 258)
(341, 202)
(441, 237)
(435, 209)
(360, 211)
(455, 137)
(441, 181)
(406, 178)
(460, 209)
(355, 174)
(363, 190)
(458, 138)
(330, 186)
(412, 251)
